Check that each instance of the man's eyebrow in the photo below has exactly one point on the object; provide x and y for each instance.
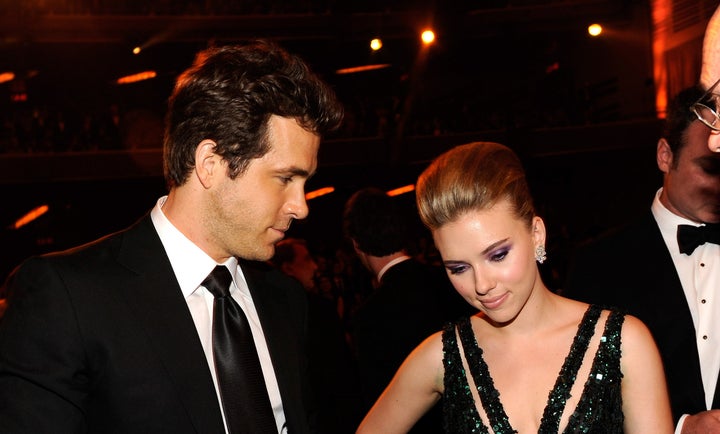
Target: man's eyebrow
(296, 171)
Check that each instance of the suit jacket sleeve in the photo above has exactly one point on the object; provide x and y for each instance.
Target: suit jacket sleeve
(44, 380)
(100, 339)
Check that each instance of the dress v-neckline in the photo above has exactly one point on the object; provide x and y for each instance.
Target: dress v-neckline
(557, 398)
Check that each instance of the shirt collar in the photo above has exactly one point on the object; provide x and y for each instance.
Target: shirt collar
(387, 266)
(190, 263)
(668, 222)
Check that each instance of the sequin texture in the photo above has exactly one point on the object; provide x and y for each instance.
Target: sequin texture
(599, 409)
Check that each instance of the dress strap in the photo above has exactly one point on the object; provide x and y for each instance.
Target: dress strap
(568, 373)
(489, 395)
(459, 412)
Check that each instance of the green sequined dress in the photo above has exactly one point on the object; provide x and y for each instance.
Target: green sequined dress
(599, 409)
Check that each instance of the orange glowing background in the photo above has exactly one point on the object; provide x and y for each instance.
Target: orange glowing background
(30, 216)
(319, 192)
(146, 75)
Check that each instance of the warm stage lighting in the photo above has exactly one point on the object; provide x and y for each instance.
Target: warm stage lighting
(595, 29)
(401, 190)
(137, 50)
(6, 76)
(30, 216)
(427, 36)
(376, 44)
(137, 77)
(363, 68)
(319, 192)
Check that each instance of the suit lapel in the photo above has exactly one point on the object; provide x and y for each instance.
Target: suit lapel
(276, 312)
(668, 314)
(161, 309)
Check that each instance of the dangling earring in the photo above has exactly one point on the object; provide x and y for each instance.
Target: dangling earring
(540, 254)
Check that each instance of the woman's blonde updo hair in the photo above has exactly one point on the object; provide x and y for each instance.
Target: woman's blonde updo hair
(472, 177)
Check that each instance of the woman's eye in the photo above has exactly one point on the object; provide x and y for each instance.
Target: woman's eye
(457, 269)
(498, 256)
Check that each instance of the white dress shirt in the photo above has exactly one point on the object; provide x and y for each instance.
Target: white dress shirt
(700, 278)
(191, 266)
(387, 266)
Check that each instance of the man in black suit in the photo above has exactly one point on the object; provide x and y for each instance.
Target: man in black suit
(116, 336)
(675, 290)
(411, 300)
(332, 368)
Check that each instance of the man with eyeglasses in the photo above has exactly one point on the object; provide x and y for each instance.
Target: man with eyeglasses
(709, 73)
(665, 267)
(705, 108)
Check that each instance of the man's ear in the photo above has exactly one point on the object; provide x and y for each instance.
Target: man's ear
(208, 164)
(664, 156)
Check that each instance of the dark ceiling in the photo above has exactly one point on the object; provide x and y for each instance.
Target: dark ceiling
(73, 54)
(523, 72)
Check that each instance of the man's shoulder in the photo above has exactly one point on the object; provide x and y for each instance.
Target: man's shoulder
(98, 249)
(628, 235)
(92, 264)
(604, 268)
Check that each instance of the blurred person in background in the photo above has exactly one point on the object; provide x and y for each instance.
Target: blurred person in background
(410, 300)
(333, 370)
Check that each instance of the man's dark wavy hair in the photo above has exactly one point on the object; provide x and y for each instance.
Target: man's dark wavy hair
(229, 94)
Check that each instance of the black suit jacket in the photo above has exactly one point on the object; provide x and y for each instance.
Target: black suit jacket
(412, 302)
(632, 269)
(99, 339)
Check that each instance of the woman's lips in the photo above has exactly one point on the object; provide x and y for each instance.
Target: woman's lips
(494, 302)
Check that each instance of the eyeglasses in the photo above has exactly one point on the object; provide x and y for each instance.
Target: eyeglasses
(704, 112)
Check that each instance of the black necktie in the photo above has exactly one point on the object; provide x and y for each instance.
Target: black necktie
(240, 378)
(689, 237)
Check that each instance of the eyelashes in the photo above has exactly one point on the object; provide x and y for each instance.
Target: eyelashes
(494, 256)
(499, 255)
(457, 269)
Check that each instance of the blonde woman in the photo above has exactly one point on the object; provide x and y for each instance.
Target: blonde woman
(530, 361)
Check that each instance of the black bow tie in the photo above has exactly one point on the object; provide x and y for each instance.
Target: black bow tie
(689, 237)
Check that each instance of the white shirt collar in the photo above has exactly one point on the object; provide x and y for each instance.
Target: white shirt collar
(387, 266)
(668, 222)
(190, 263)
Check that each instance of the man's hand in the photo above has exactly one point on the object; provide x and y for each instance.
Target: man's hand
(706, 422)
